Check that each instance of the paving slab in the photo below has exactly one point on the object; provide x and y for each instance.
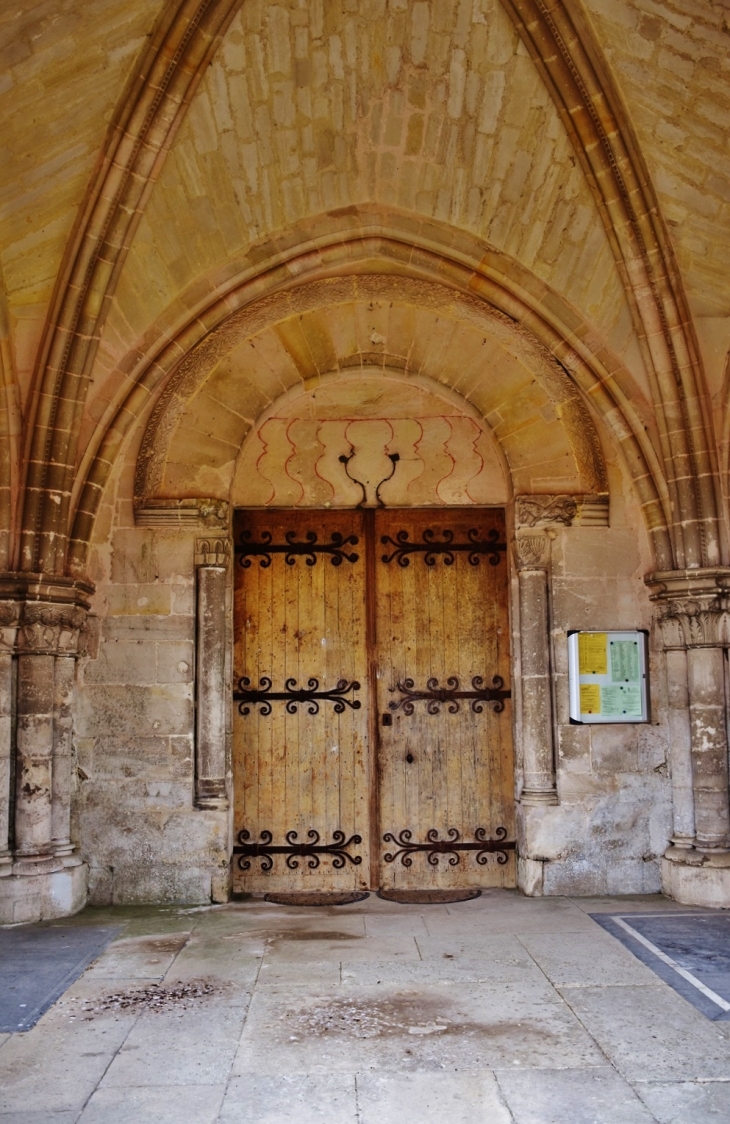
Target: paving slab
(580, 1096)
(144, 957)
(652, 1030)
(189, 1047)
(291, 1099)
(170, 1104)
(585, 960)
(56, 1066)
(430, 1098)
(687, 1102)
(39, 1117)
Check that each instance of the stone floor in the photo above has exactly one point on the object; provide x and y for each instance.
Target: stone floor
(503, 1009)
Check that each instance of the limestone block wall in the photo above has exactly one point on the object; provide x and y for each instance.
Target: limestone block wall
(134, 813)
(613, 821)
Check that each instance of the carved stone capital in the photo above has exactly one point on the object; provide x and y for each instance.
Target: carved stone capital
(50, 629)
(532, 551)
(188, 512)
(692, 607)
(9, 618)
(212, 551)
(568, 511)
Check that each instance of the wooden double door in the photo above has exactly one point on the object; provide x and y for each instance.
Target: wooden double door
(372, 728)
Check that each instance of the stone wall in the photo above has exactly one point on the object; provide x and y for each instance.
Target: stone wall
(134, 804)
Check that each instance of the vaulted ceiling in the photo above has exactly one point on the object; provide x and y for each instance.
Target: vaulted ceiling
(156, 155)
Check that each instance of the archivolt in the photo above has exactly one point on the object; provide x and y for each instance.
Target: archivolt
(570, 61)
(493, 286)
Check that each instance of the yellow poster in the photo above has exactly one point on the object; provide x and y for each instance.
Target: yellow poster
(592, 653)
(590, 698)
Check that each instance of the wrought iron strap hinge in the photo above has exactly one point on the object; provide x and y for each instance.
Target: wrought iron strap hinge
(291, 549)
(451, 694)
(311, 696)
(431, 548)
(312, 850)
(452, 846)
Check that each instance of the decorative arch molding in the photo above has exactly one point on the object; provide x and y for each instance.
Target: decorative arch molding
(563, 46)
(561, 42)
(372, 289)
(492, 285)
(151, 109)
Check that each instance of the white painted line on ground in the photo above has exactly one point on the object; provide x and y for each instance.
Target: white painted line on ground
(707, 991)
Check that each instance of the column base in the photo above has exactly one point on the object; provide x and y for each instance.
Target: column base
(41, 897)
(536, 797)
(697, 878)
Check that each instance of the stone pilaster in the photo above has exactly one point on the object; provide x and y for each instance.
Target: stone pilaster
(532, 556)
(212, 559)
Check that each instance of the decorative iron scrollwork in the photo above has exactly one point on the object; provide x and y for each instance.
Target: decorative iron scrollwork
(435, 696)
(337, 850)
(431, 548)
(246, 550)
(452, 846)
(247, 696)
(345, 460)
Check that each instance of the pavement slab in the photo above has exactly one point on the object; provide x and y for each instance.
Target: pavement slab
(157, 1105)
(556, 1096)
(687, 1102)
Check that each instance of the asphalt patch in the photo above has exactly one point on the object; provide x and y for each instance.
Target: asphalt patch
(39, 962)
(689, 951)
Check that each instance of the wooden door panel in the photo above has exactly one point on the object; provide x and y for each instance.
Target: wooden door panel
(445, 757)
(300, 760)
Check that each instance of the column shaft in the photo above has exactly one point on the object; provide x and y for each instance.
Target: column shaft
(210, 781)
(680, 750)
(34, 763)
(537, 720)
(6, 743)
(706, 683)
(65, 668)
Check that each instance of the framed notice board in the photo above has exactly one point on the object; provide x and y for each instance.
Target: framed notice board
(607, 675)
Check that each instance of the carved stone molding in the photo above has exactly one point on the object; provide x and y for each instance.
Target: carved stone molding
(258, 315)
(212, 552)
(532, 552)
(693, 607)
(9, 618)
(188, 512)
(50, 629)
(570, 511)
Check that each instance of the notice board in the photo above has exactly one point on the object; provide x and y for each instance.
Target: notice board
(607, 676)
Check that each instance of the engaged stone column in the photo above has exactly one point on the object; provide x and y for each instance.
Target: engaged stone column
(212, 556)
(47, 633)
(64, 676)
(680, 751)
(706, 682)
(8, 627)
(34, 765)
(532, 552)
(694, 618)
